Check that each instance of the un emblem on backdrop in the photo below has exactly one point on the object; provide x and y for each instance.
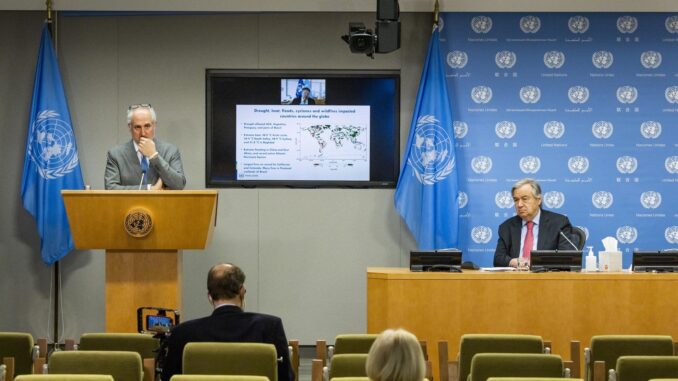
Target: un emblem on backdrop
(671, 234)
(602, 59)
(481, 164)
(554, 129)
(554, 59)
(651, 59)
(627, 234)
(481, 234)
(530, 94)
(554, 199)
(530, 24)
(530, 164)
(432, 152)
(627, 94)
(505, 59)
(627, 164)
(481, 94)
(578, 24)
(602, 199)
(671, 24)
(650, 129)
(578, 94)
(481, 24)
(460, 129)
(578, 164)
(602, 129)
(457, 59)
(505, 129)
(671, 164)
(52, 146)
(462, 199)
(651, 199)
(671, 94)
(504, 199)
(627, 24)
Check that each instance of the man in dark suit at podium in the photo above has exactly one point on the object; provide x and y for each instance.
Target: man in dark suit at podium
(228, 323)
(144, 161)
(532, 229)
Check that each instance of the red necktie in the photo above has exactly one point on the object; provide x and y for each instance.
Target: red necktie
(529, 239)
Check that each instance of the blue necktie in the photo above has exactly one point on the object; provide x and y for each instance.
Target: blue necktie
(144, 169)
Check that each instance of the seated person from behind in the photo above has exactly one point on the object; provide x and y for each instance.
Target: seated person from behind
(396, 356)
(539, 228)
(305, 99)
(144, 159)
(228, 323)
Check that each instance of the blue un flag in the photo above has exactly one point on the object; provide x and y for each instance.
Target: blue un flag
(426, 194)
(51, 163)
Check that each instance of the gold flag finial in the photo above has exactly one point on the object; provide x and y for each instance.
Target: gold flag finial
(436, 11)
(48, 3)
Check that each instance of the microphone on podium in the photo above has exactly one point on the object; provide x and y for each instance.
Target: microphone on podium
(568, 241)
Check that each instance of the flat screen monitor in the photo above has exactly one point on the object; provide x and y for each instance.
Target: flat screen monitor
(655, 261)
(435, 260)
(302, 128)
(555, 260)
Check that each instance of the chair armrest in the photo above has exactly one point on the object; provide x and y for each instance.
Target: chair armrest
(321, 351)
(599, 373)
(449, 370)
(149, 369)
(294, 357)
(317, 370)
(575, 357)
(548, 347)
(567, 366)
(8, 363)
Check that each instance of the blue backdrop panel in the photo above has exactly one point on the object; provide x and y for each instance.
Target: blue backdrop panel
(586, 103)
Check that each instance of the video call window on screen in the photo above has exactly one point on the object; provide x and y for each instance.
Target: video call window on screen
(302, 128)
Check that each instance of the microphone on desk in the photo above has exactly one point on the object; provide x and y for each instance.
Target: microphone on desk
(144, 169)
(568, 241)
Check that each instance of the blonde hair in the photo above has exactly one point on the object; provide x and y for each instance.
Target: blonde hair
(396, 356)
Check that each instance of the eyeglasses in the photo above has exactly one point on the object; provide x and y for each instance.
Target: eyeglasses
(140, 105)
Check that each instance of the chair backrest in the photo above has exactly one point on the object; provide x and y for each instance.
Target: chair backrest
(353, 343)
(486, 365)
(581, 236)
(348, 365)
(609, 348)
(144, 345)
(643, 368)
(251, 359)
(216, 377)
(473, 344)
(65, 377)
(20, 346)
(122, 365)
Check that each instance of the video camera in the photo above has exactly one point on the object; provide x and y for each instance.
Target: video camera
(159, 322)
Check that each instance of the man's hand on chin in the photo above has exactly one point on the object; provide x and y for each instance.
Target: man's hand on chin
(157, 185)
(147, 147)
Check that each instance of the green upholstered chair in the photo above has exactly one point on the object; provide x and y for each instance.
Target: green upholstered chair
(250, 359)
(643, 368)
(122, 365)
(213, 377)
(348, 365)
(472, 344)
(604, 351)
(352, 343)
(20, 347)
(144, 345)
(486, 365)
(65, 377)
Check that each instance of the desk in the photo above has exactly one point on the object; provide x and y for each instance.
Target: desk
(557, 306)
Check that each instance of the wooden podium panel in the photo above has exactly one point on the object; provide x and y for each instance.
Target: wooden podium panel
(141, 271)
(557, 306)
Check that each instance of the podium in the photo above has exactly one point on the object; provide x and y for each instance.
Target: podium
(143, 233)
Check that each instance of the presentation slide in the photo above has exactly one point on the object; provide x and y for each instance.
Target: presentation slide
(303, 142)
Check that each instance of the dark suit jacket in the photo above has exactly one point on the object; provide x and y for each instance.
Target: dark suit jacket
(123, 170)
(297, 101)
(550, 225)
(229, 324)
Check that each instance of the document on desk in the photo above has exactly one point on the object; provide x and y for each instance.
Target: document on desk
(497, 269)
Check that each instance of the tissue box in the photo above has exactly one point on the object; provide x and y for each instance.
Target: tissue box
(610, 261)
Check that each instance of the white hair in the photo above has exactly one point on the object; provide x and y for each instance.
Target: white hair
(534, 185)
(396, 355)
(130, 112)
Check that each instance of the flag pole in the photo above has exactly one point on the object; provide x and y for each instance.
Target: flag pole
(55, 268)
(436, 11)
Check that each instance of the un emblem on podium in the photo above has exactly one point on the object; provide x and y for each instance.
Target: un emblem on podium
(138, 222)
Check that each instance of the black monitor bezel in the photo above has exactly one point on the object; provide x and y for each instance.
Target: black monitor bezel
(561, 260)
